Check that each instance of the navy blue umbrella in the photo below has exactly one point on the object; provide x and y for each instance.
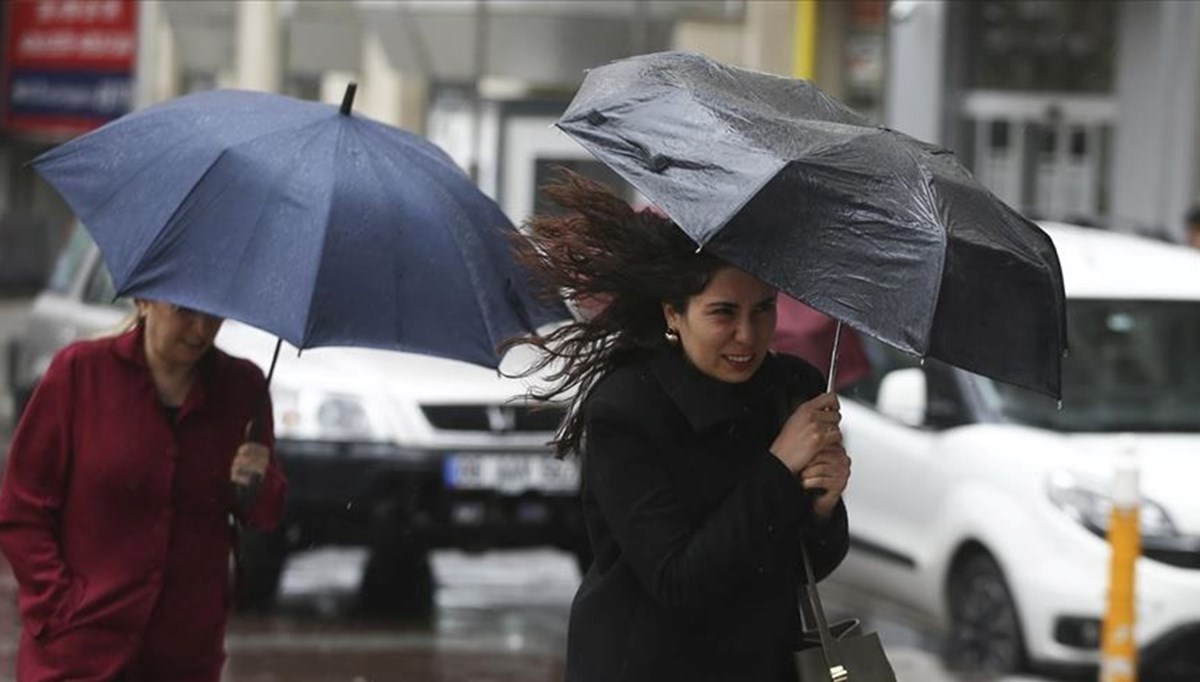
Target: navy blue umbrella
(318, 225)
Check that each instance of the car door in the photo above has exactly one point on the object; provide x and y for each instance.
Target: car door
(899, 475)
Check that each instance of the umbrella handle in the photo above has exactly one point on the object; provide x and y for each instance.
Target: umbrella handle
(254, 431)
(244, 494)
(837, 339)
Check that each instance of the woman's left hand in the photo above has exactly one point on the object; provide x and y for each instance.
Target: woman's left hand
(250, 461)
(829, 472)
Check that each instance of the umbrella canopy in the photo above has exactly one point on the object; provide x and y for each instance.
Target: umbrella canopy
(882, 231)
(318, 225)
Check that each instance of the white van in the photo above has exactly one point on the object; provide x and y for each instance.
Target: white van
(984, 507)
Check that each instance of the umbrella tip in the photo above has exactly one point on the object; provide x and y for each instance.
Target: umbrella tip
(348, 98)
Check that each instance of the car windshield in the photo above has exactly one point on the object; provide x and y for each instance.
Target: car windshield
(1132, 366)
(66, 268)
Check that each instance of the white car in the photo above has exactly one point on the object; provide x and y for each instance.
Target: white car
(396, 451)
(984, 507)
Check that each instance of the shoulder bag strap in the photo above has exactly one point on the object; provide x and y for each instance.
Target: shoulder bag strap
(807, 596)
(833, 658)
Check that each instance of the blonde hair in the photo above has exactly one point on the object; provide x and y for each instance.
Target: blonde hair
(128, 323)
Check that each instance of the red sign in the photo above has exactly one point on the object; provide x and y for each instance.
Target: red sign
(68, 64)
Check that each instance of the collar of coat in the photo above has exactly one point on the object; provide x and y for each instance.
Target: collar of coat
(130, 347)
(707, 402)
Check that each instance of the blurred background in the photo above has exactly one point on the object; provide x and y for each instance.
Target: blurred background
(1067, 110)
(1078, 112)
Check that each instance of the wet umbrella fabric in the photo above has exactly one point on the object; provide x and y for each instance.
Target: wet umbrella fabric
(884, 232)
(322, 227)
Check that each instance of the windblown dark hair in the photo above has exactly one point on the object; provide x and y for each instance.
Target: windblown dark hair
(600, 252)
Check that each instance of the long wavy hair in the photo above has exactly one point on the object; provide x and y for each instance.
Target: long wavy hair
(619, 264)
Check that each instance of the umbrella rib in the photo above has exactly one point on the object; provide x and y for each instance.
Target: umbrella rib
(130, 179)
(196, 132)
(276, 188)
(153, 244)
(453, 204)
(324, 224)
(397, 326)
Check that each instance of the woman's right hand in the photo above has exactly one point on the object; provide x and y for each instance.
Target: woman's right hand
(811, 428)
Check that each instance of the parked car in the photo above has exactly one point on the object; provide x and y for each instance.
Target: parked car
(395, 451)
(983, 507)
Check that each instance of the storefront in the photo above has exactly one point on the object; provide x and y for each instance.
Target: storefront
(1084, 112)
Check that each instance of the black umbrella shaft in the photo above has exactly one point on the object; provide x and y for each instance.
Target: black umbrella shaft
(254, 433)
(275, 358)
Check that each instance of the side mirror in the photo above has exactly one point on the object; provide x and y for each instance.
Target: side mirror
(902, 396)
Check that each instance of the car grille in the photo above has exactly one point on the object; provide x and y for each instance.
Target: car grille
(494, 418)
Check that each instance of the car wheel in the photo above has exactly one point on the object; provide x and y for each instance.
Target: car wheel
(397, 581)
(261, 559)
(985, 632)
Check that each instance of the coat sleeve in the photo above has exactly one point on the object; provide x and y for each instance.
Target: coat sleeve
(685, 566)
(34, 490)
(272, 496)
(827, 541)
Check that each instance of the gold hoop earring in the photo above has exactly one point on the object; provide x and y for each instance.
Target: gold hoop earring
(671, 336)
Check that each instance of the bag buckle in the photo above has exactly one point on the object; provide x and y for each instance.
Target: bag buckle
(839, 674)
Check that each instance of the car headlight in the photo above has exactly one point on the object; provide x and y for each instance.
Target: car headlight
(1091, 506)
(324, 416)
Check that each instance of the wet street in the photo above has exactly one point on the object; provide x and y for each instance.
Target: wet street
(500, 616)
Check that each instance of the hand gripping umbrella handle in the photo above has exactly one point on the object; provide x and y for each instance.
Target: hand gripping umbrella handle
(244, 494)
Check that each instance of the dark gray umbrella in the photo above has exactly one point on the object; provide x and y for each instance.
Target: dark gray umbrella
(882, 231)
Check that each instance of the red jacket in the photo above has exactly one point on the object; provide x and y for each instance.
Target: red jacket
(116, 524)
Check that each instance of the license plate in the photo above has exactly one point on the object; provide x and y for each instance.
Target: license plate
(511, 474)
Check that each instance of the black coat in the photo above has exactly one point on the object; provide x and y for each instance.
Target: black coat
(695, 526)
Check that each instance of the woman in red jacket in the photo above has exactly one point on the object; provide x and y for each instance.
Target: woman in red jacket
(116, 502)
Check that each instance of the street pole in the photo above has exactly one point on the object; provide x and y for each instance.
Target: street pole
(259, 46)
(145, 77)
(1118, 656)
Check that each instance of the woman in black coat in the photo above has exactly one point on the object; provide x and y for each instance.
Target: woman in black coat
(706, 460)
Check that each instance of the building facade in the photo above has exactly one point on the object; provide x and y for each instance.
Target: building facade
(1067, 110)
(1085, 112)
